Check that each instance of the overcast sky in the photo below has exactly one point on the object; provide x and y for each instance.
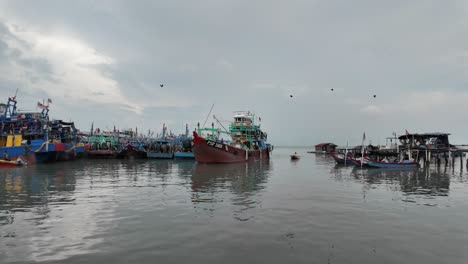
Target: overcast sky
(104, 61)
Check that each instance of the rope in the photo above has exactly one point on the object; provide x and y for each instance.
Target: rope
(42, 146)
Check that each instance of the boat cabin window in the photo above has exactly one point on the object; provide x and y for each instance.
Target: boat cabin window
(243, 119)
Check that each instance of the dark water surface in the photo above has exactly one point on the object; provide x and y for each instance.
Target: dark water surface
(309, 211)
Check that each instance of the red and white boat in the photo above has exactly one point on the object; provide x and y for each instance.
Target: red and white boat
(247, 143)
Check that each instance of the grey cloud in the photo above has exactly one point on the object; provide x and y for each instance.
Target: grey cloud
(253, 54)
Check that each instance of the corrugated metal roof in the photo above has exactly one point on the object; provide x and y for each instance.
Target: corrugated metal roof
(324, 144)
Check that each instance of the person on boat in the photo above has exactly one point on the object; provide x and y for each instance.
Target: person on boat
(5, 155)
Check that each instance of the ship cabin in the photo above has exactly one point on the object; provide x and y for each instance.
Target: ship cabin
(243, 119)
(244, 131)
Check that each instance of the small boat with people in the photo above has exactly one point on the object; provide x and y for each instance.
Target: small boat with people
(295, 156)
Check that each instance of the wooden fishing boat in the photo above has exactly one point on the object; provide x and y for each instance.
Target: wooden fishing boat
(10, 163)
(34, 138)
(381, 164)
(349, 161)
(295, 156)
(184, 146)
(162, 147)
(247, 143)
(103, 146)
(132, 150)
(357, 162)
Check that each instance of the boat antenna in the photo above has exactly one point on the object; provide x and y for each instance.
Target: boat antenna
(16, 92)
(208, 115)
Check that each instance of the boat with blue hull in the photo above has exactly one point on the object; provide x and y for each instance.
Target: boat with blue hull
(161, 148)
(32, 137)
(340, 159)
(393, 165)
(184, 155)
(184, 146)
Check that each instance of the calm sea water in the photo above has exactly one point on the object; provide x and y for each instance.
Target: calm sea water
(309, 211)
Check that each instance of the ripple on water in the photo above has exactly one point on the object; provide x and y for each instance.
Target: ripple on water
(265, 212)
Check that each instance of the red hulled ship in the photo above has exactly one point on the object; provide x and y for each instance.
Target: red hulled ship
(247, 142)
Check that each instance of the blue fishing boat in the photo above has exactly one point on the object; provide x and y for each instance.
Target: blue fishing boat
(394, 165)
(340, 159)
(161, 148)
(32, 137)
(184, 155)
(184, 146)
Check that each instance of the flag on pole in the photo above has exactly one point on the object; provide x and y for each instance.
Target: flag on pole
(49, 100)
(42, 106)
(407, 133)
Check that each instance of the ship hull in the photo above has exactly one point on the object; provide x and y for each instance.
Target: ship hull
(206, 151)
(184, 155)
(158, 155)
(131, 153)
(101, 154)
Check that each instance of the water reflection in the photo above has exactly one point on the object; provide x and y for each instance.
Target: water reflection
(40, 217)
(417, 183)
(212, 183)
(24, 189)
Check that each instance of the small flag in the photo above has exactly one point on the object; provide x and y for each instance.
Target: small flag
(49, 100)
(42, 106)
(260, 119)
(363, 136)
(407, 133)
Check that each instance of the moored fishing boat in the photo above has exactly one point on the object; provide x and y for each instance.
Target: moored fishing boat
(394, 165)
(32, 137)
(359, 162)
(132, 150)
(295, 156)
(104, 145)
(11, 163)
(161, 148)
(248, 142)
(184, 146)
(340, 159)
